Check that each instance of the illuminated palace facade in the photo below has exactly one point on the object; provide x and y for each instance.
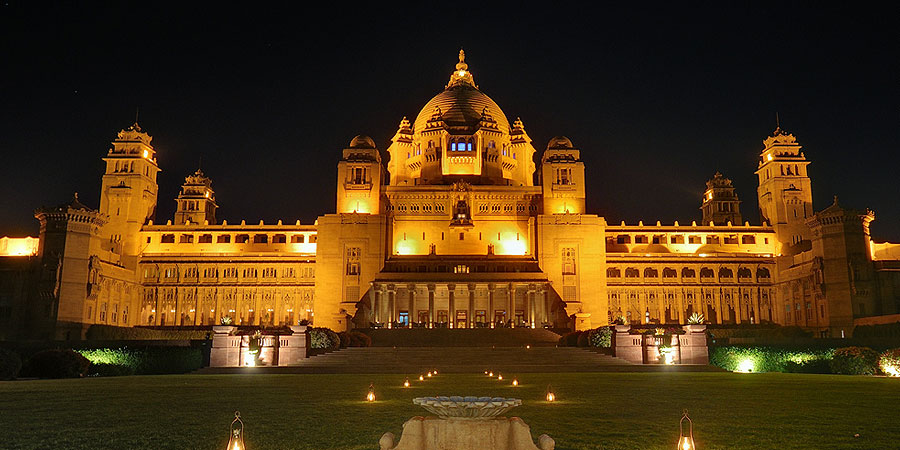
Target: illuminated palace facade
(463, 223)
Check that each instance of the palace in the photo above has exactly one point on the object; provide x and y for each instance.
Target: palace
(462, 222)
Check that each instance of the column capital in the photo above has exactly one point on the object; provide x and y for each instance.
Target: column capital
(471, 286)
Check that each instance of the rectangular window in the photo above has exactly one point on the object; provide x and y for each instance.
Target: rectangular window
(186, 238)
(453, 146)
(223, 239)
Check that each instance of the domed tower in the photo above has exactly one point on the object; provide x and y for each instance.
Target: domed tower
(785, 192)
(562, 177)
(359, 178)
(461, 134)
(720, 203)
(196, 201)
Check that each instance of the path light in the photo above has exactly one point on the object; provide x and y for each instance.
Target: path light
(435, 371)
(745, 366)
(485, 372)
(406, 382)
(491, 374)
(429, 373)
(515, 382)
(551, 397)
(370, 397)
(528, 346)
(500, 377)
(421, 378)
(236, 436)
(686, 442)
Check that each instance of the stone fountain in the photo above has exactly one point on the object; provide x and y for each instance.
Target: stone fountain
(466, 423)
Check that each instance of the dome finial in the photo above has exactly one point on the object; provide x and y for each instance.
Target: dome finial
(461, 65)
(461, 75)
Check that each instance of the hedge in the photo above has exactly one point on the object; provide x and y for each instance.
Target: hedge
(147, 361)
(769, 359)
(10, 364)
(889, 362)
(56, 363)
(597, 337)
(855, 361)
(877, 331)
(323, 338)
(111, 333)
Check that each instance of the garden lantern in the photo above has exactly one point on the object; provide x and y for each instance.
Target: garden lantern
(500, 377)
(370, 397)
(421, 378)
(406, 382)
(686, 441)
(236, 435)
(515, 382)
(551, 397)
(435, 371)
(429, 373)
(491, 374)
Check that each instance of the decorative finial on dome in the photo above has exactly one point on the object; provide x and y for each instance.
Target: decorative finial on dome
(461, 65)
(461, 75)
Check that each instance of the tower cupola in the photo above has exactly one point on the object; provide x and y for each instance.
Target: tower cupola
(720, 203)
(196, 201)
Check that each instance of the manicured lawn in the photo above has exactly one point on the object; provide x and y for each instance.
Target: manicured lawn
(594, 411)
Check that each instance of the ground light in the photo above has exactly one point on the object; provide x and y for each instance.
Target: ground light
(370, 397)
(515, 382)
(435, 371)
(406, 382)
(551, 397)
(421, 378)
(745, 366)
(491, 374)
(236, 436)
(500, 377)
(429, 374)
(686, 441)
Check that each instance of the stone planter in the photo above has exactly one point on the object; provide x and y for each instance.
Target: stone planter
(696, 328)
(224, 329)
(299, 329)
(623, 328)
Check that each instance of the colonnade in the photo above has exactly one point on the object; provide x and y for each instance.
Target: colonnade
(460, 305)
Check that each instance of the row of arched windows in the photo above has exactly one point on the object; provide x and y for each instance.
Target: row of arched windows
(743, 273)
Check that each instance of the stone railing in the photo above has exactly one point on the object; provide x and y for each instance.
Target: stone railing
(231, 350)
(687, 348)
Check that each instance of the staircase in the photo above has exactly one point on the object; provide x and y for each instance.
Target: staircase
(463, 337)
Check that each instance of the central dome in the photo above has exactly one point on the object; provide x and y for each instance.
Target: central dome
(461, 106)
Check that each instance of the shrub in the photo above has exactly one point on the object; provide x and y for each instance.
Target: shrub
(889, 362)
(111, 333)
(766, 359)
(10, 364)
(57, 363)
(819, 365)
(569, 339)
(582, 340)
(320, 337)
(358, 339)
(109, 370)
(854, 361)
(149, 360)
(345, 339)
(600, 337)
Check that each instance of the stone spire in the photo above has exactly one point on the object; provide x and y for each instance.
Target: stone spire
(461, 75)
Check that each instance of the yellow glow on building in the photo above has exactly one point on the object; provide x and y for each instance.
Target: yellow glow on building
(146, 153)
(769, 157)
(405, 247)
(26, 246)
(512, 247)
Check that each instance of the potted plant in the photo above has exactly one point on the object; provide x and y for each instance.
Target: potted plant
(225, 326)
(695, 323)
(301, 326)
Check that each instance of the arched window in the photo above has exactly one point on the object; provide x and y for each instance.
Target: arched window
(651, 273)
(613, 272)
(669, 272)
(744, 273)
(687, 272)
(706, 272)
(725, 272)
(631, 272)
(762, 272)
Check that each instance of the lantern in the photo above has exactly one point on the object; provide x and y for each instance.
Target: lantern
(236, 437)
(485, 372)
(491, 374)
(370, 397)
(421, 378)
(429, 373)
(551, 397)
(686, 441)
(500, 377)
(435, 371)
(515, 382)
(406, 382)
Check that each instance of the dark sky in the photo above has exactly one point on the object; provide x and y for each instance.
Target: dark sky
(658, 99)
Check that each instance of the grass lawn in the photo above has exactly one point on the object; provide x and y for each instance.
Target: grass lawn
(594, 411)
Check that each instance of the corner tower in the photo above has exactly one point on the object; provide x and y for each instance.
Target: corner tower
(562, 178)
(785, 194)
(196, 203)
(129, 191)
(359, 178)
(720, 203)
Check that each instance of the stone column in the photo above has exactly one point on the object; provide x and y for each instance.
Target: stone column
(413, 312)
(511, 304)
(392, 307)
(373, 303)
(545, 305)
(176, 316)
(490, 313)
(451, 293)
(156, 308)
(430, 306)
(471, 317)
(529, 306)
(196, 305)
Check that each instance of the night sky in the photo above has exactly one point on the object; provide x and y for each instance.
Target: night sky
(657, 99)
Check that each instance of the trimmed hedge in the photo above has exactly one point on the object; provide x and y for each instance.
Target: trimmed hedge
(109, 370)
(596, 337)
(112, 333)
(769, 359)
(889, 362)
(358, 339)
(600, 337)
(757, 331)
(877, 331)
(323, 338)
(57, 363)
(10, 364)
(147, 361)
(854, 361)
